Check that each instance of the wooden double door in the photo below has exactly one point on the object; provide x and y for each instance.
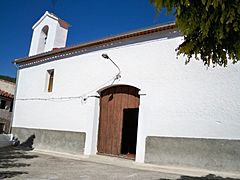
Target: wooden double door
(117, 133)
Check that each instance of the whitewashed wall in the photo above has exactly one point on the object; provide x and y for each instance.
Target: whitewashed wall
(181, 100)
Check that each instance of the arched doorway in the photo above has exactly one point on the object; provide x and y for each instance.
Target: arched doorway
(118, 121)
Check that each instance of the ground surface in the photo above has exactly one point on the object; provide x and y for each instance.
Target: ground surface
(21, 164)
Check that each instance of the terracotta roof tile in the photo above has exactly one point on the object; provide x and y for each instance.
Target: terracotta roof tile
(6, 94)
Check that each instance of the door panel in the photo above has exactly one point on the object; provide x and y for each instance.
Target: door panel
(113, 101)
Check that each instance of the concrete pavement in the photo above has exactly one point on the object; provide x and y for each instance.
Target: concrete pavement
(39, 165)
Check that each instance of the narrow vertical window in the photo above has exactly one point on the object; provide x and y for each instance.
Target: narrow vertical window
(50, 79)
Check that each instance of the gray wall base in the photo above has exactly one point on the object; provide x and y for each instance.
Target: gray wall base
(53, 140)
(211, 154)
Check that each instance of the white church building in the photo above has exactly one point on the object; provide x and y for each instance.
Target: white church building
(128, 96)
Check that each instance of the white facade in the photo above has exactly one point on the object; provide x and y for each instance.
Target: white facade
(176, 100)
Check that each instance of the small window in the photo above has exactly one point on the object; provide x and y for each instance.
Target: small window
(3, 104)
(50, 80)
(11, 107)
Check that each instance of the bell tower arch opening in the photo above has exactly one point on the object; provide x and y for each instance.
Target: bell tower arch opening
(43, 39)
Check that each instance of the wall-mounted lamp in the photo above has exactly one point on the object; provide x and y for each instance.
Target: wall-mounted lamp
(105, 56)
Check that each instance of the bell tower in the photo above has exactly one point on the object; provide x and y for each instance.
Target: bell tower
(49, 33)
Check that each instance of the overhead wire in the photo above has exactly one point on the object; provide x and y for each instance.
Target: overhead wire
(83, 97)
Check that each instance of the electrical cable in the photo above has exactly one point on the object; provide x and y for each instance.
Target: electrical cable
(68, 98)
(82, 97)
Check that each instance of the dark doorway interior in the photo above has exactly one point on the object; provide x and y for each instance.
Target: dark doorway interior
(2, 104)
(1, 128)
(129, 131)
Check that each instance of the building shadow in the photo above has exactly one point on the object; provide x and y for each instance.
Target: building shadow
(207, 177)
(10, 157)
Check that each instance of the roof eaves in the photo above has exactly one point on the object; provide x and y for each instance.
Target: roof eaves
(135, 33)
(6, 94)
(51, 15)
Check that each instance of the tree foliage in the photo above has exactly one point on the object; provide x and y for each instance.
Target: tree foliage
(211, 29)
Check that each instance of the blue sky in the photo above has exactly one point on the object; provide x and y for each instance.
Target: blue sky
(90, 20)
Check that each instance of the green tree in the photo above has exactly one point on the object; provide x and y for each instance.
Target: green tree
(211, 29)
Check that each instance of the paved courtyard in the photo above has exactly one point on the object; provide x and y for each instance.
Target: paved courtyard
(30, 165)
